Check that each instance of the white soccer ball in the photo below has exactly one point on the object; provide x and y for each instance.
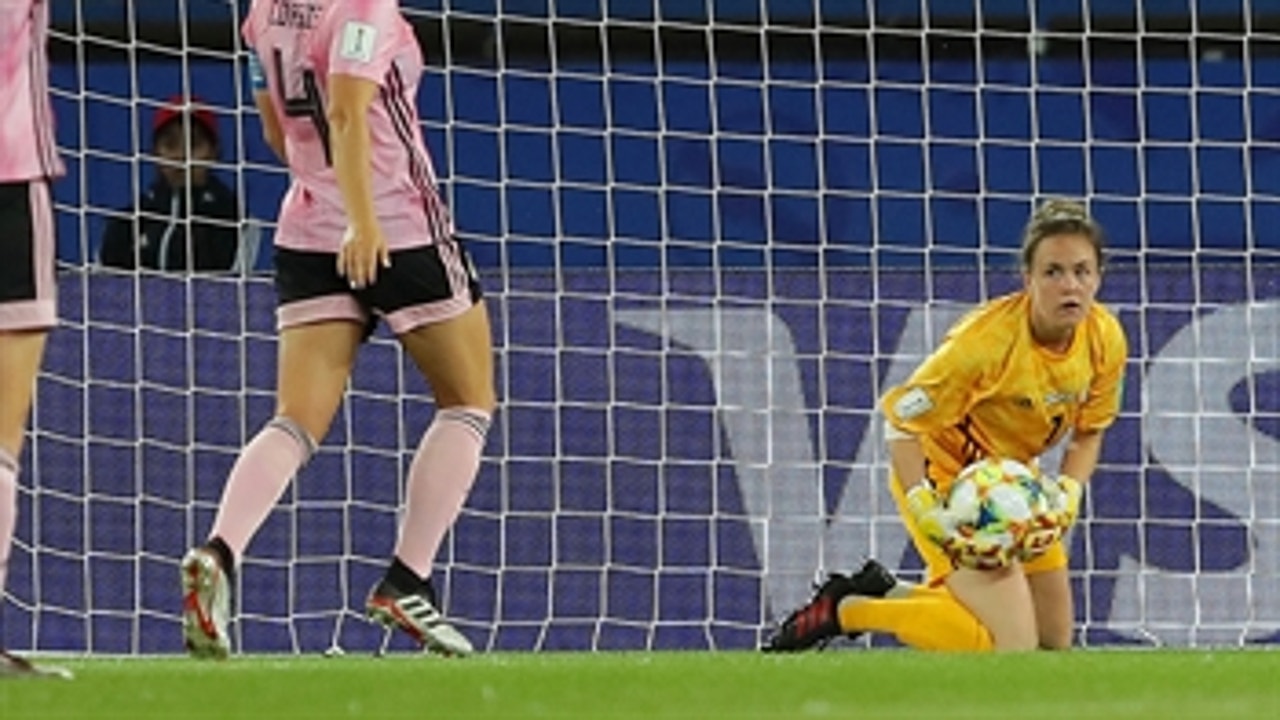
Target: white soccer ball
(996, 502)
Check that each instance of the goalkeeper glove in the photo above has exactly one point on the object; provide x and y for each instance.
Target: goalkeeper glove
(1064, 497)
(1044, 532)
(1063, 494)
(937, 524)
(980, 552)
(931, 517)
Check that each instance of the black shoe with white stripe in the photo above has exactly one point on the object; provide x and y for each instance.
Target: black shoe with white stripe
(416, 614)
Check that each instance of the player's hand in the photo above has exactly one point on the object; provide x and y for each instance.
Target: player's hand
(1043, 533)
(971, 551)
(360, 256)
(980, 552)
(930, 514)
(1064, 498)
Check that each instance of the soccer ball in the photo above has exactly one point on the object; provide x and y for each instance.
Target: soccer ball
(998, 503)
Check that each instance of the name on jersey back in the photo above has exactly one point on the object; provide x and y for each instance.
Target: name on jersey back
(295, 13)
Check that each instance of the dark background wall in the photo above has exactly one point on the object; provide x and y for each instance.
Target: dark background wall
(629, 132)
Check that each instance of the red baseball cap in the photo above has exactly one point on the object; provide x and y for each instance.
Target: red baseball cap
(175, 107)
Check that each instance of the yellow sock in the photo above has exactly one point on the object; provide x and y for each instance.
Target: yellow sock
(925, 618)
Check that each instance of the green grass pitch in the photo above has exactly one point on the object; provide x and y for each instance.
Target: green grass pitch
(1178, 685)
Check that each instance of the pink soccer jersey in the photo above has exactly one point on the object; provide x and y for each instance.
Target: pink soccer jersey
(27, 148)
(300, 45)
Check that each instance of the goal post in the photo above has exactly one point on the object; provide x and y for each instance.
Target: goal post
(710, 233)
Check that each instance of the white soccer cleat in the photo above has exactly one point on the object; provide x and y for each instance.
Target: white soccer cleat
(416, 614)
(14, 666)
(206, 605)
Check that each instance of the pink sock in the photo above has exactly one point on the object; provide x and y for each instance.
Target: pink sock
(261, 473)
(8, 511)
(440, 477)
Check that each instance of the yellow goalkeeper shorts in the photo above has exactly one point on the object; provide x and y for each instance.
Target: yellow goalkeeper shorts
(938, 565)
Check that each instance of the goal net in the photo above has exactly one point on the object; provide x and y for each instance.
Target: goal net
(711, 233)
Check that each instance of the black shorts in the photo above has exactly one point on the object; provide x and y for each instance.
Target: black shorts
(28, 289)
(424, 285)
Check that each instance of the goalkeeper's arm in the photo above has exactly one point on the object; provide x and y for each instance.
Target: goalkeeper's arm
(906, 456)
(1081, 456)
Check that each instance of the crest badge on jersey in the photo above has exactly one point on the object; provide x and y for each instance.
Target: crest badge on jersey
(357, 41)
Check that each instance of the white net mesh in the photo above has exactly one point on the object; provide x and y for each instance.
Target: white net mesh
(710, 233)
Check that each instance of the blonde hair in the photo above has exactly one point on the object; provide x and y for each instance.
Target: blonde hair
(1060, 216)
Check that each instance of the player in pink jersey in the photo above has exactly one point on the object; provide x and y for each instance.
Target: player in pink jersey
(28, 303)
(363, 235)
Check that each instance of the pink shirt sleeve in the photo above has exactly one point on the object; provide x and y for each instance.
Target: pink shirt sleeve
(364, 38)
(249, 28)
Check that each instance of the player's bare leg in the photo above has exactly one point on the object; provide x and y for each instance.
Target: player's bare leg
(20, 356)
(1055, 613)
(312, 371)
(456, 357)
(1001, 600)
(314, 363)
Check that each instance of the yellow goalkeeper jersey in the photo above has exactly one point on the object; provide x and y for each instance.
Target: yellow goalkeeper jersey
(989, 390)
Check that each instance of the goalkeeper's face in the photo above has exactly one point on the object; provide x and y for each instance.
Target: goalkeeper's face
(1061, 282)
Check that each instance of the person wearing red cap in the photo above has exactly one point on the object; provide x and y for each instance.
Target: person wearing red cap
(187, 219)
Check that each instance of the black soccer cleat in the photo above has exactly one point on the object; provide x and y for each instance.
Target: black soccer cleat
(416, 614)
(817, 623)
(814, 624)
(873, 580)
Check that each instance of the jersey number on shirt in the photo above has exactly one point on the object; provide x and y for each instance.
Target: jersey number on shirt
(307, 105)
(1053, 432)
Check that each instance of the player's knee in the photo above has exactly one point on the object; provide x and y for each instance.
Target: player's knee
(1014, 639)
(310, 418)
(1014, 631)
(478, 396)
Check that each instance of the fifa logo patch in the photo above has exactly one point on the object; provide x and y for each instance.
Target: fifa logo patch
(357, 41)
(913, 403)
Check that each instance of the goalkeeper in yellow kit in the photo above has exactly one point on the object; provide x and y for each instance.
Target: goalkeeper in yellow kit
(1010, 380)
